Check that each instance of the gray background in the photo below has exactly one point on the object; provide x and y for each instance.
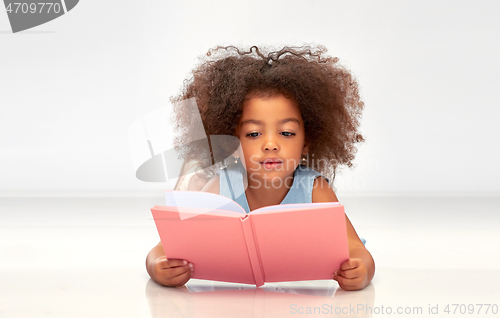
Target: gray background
(70, 89)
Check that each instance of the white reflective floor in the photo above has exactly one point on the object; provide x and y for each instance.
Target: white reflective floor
(77, 257)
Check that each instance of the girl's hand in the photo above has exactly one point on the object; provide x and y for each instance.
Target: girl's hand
(352, 274)
(172, 272)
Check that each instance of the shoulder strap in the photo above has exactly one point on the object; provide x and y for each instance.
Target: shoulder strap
(231, 186)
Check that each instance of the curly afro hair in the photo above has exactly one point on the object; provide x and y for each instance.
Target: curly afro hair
(326, 93)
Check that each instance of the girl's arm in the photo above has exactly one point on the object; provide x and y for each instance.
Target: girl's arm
(357, 272)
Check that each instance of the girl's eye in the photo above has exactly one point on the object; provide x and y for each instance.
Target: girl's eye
(253, 134)
(287, 133)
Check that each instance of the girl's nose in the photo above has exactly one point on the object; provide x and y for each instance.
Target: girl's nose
(271, 144)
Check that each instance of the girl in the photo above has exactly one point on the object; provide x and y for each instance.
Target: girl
(296, 114)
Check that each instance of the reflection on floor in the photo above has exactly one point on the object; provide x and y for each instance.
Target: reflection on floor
(78, 257)
(272, 300)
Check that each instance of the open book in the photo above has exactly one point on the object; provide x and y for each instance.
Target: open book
(288, 242)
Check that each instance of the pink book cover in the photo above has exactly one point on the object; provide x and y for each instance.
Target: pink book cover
(287, 242)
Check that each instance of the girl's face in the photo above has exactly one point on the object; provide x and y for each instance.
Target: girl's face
(272, 136)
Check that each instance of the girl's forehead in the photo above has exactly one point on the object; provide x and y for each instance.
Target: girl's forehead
(269, 109)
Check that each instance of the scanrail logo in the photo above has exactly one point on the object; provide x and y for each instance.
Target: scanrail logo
(27, 14)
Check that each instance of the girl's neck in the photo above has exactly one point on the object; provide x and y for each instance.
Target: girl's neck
(261, 194)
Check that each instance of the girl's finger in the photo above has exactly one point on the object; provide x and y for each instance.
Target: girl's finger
(179, 270)
(350, 264)
(174, 263)
(349, 274)
(346, 283)
(180, 279)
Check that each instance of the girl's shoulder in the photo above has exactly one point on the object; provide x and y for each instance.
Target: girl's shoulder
(322, 192)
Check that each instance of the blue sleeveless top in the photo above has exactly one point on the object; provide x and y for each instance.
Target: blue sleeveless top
(231, 185)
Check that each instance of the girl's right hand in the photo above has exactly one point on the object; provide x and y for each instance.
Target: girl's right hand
(172, 272)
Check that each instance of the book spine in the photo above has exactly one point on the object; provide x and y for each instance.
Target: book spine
(252, 251)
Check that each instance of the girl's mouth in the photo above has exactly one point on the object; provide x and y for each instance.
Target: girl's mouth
(271, 163)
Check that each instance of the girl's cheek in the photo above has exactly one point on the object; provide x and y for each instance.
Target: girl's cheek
(252, 162)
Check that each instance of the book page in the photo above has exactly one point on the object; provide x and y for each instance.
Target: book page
(202, 201)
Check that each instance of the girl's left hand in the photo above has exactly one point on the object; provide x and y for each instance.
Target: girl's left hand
(352, 274)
